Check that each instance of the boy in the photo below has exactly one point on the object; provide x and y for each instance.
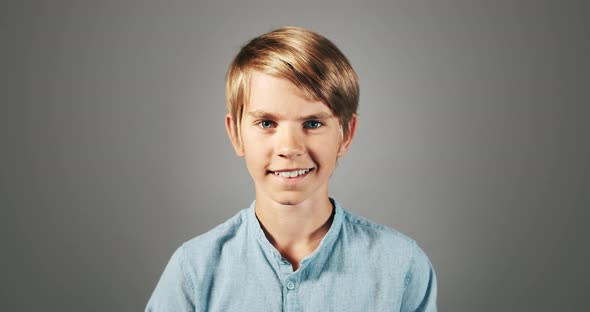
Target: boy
(292, 99)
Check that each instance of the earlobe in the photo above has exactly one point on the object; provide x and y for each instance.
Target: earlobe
(232, 132)
(346, 141)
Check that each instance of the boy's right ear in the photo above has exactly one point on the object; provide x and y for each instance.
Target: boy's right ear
(232, 132)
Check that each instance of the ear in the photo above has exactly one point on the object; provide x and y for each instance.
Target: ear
(348, 139)
(232, 132)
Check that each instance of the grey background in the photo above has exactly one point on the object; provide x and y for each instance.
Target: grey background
(473, 140)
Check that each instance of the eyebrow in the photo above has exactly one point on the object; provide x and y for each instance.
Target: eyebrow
(259, 114)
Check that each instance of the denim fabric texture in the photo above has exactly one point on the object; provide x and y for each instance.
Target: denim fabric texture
(358, 266)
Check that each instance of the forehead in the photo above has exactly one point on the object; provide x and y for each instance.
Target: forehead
(278, 95)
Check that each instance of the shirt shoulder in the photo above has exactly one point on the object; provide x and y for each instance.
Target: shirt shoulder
(368, 231)
(210, 243)
(395, 255)
(190, 267)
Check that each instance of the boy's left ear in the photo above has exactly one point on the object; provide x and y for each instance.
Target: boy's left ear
(348, 138)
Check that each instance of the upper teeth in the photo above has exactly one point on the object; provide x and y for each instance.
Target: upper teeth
(292, 174)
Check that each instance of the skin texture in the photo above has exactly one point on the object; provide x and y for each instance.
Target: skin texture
(282, 130)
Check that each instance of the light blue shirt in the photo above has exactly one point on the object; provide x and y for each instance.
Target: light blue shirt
(358, 266)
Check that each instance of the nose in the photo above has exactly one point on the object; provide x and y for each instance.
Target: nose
(289, 142)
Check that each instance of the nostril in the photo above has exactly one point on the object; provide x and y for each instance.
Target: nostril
(290, 154)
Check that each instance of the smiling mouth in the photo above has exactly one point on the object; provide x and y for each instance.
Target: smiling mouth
(292, 173)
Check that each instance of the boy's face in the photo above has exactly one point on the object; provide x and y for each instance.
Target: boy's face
(290, 144)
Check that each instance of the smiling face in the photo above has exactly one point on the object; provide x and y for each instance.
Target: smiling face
(290, 143)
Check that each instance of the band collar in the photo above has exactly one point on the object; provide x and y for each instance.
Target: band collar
(318, 256)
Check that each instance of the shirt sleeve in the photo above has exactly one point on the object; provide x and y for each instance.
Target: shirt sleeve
(420, 292)
(175, 290)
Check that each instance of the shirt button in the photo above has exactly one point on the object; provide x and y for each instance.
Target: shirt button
(290, 285)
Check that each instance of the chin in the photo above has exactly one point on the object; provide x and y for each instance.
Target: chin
(288, 199)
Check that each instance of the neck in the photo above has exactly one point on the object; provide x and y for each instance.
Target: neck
(295, 230)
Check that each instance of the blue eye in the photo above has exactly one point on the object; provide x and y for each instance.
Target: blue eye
(265, 124)
(312, 124)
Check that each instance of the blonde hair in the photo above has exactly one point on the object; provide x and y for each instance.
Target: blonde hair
(307, 59)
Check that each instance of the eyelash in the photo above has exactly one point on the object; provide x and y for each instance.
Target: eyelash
(306, 124)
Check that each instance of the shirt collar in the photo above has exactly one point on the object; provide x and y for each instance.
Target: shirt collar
(318, 256)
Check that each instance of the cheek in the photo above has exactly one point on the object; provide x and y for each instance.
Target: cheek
(255, 166)
(256, 155)
(256, 149)
(325, 153)
(251, 142)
